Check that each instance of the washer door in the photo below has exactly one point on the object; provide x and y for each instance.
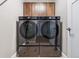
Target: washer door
(28, 29)
(49, 30)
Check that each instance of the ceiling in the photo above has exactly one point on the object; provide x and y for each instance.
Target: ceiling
(39, 0)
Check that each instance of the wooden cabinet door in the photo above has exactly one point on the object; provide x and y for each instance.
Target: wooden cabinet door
(51, 9)
(27, 9)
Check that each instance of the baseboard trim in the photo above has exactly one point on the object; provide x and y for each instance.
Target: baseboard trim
(63, 55)
(14, 55)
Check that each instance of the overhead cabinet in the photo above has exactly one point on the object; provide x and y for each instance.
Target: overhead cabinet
(39, 9)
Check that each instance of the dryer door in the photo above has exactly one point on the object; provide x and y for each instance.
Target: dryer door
(48, 29)
(28, 29)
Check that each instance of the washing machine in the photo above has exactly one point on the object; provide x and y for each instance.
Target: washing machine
(27, 30)
(48, 30)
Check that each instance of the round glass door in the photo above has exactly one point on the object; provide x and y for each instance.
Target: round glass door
(48, 29)
(28, 29)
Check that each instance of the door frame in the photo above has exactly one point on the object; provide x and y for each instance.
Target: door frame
(69, 17)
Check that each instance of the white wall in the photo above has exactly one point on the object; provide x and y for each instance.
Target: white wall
(9, 13)
(61, 10)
